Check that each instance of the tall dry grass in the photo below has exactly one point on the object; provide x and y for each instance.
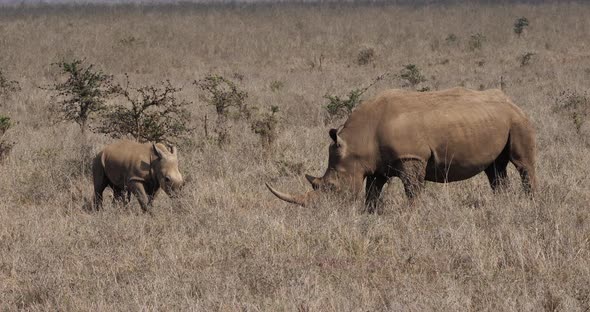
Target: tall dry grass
(228, 244)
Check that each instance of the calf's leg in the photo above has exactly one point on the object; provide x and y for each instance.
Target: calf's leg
(100, 182)
(138, 189)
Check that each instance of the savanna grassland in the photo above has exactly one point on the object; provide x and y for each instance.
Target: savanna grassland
(227, 243)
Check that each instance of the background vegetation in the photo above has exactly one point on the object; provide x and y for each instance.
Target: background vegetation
(228, 244)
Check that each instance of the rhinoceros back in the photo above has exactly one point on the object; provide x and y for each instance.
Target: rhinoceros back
(126, 160)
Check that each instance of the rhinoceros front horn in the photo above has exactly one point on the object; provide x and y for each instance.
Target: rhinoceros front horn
(299, 200)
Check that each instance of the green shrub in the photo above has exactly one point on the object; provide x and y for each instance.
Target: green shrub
(152, 114)
(365, 56)
(83, 93)
(525, 59)
(266, 127)
(520, 24)
(476, 41)
(5, 146)
(276, 85)
(7, 86)
(411, 73)
(338, 107)
(451, 39)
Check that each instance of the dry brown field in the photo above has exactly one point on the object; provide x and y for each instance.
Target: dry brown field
(228, 244)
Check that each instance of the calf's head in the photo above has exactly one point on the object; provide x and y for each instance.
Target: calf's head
(165, 168)
(344, 173)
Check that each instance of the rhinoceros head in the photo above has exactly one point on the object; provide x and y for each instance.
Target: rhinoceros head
(343, 172)
(166, 169)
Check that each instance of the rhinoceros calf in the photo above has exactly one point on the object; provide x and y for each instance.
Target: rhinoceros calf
(141, 169)
(441, 136)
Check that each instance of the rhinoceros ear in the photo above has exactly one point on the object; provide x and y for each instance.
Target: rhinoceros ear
(336, 138)
(158, 151)
(334, 135)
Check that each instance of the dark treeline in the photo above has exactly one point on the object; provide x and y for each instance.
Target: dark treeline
(19, 8)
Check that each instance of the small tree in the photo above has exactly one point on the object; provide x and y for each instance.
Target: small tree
(227, 98)
(520, 24)
(153, 114)
(83, 93)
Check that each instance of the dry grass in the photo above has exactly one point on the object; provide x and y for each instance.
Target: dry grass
(228, 244)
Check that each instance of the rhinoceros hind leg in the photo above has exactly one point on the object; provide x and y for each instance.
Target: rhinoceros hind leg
(497, 172)
(373, 188)
(528, 176)
(522, 155)
(100, 183)
(412, 174)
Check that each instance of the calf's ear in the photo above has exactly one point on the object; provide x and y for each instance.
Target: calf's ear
(158, 151)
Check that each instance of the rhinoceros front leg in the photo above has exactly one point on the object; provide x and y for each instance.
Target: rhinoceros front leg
(412, 173)
(119, 195)
(373, 188)
(138, 189)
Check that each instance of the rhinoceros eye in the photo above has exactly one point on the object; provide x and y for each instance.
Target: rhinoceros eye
(167, 179)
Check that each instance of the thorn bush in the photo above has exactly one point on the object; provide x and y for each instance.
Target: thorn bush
(151, 114)
(228, 100)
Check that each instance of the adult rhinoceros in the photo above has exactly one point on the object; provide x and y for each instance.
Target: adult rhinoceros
(441, 136)
(141, 169)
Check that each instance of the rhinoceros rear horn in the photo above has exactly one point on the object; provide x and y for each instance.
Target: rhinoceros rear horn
(299, 200)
